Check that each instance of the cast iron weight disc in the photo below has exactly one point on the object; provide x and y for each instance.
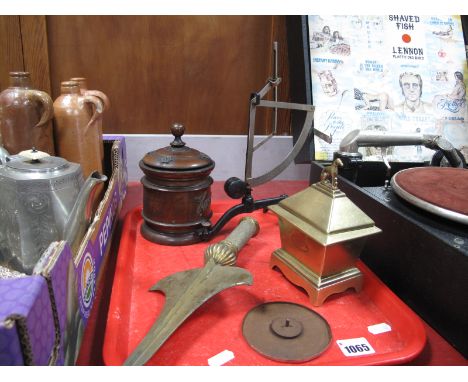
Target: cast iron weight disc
(287, 332)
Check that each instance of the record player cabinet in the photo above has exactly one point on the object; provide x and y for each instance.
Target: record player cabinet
(423, 258)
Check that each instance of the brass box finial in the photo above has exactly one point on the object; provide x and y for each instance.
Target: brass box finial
(329, 174)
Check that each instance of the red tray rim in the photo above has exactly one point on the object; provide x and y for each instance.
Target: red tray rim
(416, 332)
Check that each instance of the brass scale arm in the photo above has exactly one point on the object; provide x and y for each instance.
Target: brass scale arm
(256, 99)
(235, 187)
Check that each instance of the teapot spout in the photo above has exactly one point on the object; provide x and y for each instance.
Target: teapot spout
(81, 214)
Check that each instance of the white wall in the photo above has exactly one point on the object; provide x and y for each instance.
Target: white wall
(228, 151)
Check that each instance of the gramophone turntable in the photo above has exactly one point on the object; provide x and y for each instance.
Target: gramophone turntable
(422, 254)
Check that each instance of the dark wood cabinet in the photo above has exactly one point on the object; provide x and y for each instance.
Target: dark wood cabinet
(156, 70)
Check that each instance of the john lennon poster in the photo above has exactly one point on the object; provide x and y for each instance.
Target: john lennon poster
(395, 73)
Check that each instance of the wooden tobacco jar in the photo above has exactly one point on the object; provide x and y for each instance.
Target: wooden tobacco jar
(176, 193)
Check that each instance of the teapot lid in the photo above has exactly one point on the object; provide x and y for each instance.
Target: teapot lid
(177, 156)
(36, 161)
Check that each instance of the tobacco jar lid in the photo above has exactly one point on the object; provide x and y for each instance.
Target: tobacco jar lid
(177, 156)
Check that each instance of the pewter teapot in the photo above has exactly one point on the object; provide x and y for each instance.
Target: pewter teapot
(42, 199)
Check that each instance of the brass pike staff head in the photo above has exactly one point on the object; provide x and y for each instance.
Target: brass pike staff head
(186, 291)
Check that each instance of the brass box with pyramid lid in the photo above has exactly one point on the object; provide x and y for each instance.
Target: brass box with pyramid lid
(322, 234)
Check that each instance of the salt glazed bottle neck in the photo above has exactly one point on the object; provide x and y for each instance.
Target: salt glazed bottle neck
(20, 80)
(81, 82)
(70, 87)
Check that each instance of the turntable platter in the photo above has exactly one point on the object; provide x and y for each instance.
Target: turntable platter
(442, 191)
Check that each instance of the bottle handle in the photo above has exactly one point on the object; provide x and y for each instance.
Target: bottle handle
(44, 99)
(98, 109)
(101, 96)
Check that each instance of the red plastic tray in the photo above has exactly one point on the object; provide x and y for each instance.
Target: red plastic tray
(217, 324)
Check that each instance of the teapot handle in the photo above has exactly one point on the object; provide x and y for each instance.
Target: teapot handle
(98, 109)
(44, 99)
(101, 96)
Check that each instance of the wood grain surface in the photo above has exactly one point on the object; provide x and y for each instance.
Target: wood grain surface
(11, 54)
(35, 51)
(23, 47)
(156, 70)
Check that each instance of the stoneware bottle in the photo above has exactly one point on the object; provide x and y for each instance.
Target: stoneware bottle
(76, 134)
(82, 82)
(24, 116)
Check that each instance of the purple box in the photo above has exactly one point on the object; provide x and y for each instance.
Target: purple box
(27, 332)
(33, 310)
(95, 247)
(43, 315)
(56, 268)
